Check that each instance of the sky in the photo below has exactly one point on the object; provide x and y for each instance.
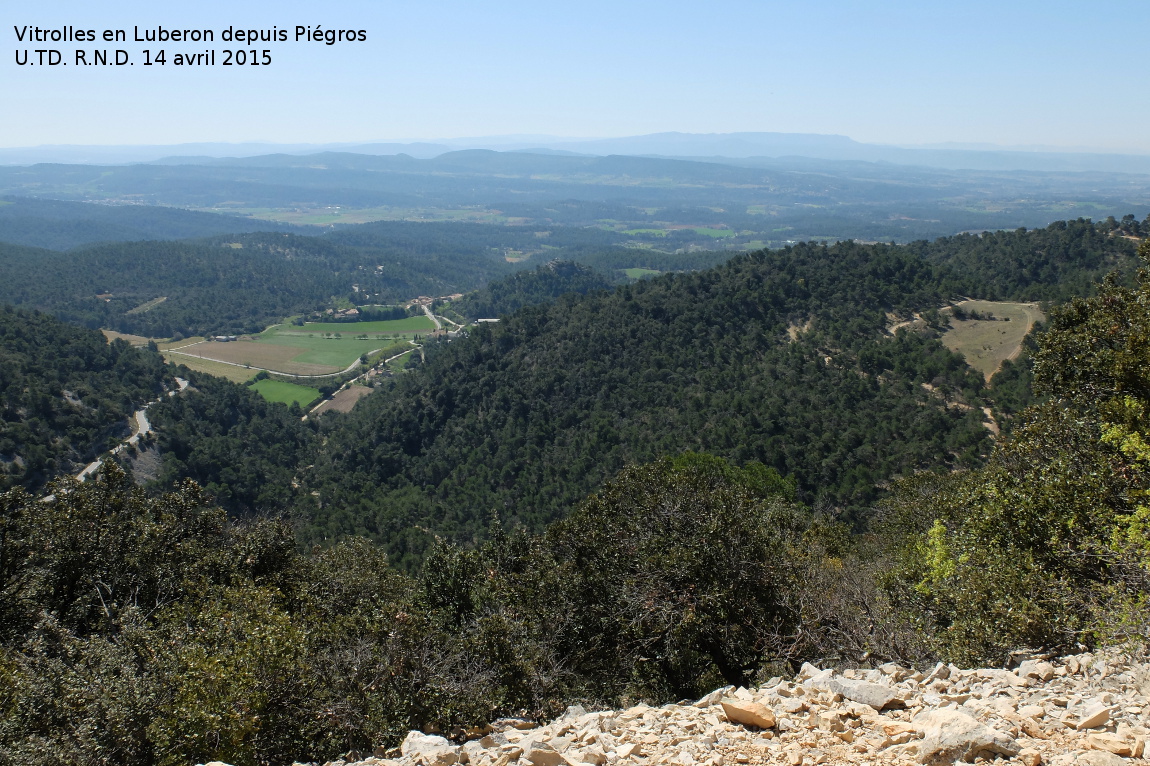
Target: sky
(1009, 72)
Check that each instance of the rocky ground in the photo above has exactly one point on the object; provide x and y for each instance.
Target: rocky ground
(1083, 710)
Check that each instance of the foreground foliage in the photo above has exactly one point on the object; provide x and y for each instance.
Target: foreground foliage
(142, 630)
(1046, 545)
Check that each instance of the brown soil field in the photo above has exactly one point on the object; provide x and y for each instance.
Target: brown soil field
(264, 355)
(344, 400)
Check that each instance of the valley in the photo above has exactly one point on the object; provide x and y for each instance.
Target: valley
(654, 468)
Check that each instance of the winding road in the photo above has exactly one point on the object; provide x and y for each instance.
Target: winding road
(142, 426)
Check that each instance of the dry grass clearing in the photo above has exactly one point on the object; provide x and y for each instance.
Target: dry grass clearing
(135, 340)
(986, 343)
(344, 399)
(147, 306)
(260, 355)
(231, 372)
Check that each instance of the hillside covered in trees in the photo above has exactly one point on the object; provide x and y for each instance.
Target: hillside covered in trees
(65, 395)
(243, 282)
(151, 630)
(780, 357)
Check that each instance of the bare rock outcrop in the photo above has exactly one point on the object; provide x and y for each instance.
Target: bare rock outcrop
(1083, 710)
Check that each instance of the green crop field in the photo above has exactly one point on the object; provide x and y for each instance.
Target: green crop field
(645, 232)
(716, 233)
(279, 391)
(406, 326)
(333, 352)
(637, 273)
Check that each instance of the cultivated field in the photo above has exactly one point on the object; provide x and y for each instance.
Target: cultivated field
(318, 350)
(135, 340)
(307, 350)
(406, 326)
(987, 343)
(260, 356)
(220, 370)
(279, 391)
(168, 345)
(344, 399)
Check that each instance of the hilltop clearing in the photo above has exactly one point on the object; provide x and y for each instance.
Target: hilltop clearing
(987, 333)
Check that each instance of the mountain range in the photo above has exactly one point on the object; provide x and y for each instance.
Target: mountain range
(713, 146)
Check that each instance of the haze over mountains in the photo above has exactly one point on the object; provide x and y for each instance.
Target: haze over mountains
(715, 146)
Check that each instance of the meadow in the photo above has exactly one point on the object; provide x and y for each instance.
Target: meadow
(405, 326)
(287, 393)
(984, 343)
(637, 273)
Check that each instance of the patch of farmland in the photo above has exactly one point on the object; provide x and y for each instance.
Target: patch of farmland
(639, 273)
(135, 340)
(219, 369)
(986, 343)
(169, 345)
(314, 348)
(344, 399)
(286, 393)
(268, 356)
(406, 325)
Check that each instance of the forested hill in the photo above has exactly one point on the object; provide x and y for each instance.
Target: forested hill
(235, 283)
(779, 357)
(543, 285)
(65, 395)
(61, 225)
(1064, 260)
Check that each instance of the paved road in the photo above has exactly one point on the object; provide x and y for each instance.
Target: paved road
(432, 317)
(143, 426)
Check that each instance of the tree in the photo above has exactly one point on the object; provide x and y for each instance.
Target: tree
(1047, 544)
(680, 573)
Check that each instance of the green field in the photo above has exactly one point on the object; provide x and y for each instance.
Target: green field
(335, 352)
(638, 273)
(716, 233)
(279, 391)
(645, 232)
(400, 363)
(407, 326)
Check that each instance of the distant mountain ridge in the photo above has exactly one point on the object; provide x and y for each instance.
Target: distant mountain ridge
(742, 145)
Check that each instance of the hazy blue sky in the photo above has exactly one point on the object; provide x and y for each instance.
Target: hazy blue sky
(1014, 72)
